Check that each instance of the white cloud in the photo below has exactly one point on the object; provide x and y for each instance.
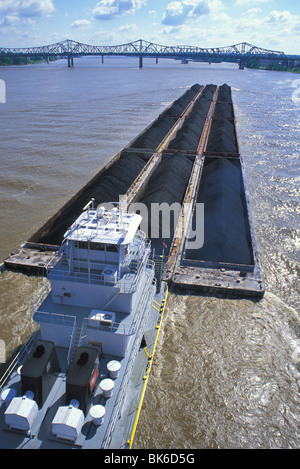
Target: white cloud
(297, 28)
(127, 27)
(105, 10)
(27, 8)
(276, 16)
(275, 30)
(250, 2)
(109, 9)
(177, 12)
(253, 12)
(106, 37)
(9, 20)
(29, 22)
(80, 23)
(185, 34)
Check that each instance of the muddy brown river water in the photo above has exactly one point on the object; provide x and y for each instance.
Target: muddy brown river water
(227, 372)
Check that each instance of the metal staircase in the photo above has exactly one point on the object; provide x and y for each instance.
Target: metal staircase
(158, 268)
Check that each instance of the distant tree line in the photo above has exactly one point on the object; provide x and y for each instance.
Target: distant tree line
(23, 60)
(254, 63)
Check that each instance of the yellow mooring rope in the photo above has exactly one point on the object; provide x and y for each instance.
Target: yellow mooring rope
(146, 376)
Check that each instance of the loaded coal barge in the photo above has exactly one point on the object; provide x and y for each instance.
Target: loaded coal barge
(189, 157)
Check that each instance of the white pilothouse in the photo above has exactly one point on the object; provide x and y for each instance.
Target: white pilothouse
(80, 381)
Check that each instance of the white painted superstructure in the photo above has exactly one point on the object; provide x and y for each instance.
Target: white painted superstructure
(77, 382)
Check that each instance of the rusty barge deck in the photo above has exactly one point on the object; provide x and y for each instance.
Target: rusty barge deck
(188, 156)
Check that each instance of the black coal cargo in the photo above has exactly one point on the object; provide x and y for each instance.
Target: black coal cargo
(38, 373)
(81, 376)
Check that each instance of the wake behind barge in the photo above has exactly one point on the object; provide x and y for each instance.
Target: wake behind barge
(190, 157)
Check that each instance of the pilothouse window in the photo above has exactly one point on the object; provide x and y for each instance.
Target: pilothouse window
(96, 246)
(81, 244)
(111, 248)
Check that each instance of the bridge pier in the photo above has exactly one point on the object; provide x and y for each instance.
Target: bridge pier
(103, 59)
(70, 61)
(141, 61)
(241, 64)
(290, 63)
(157, 59)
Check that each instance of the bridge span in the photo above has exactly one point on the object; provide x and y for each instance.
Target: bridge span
(69, 49)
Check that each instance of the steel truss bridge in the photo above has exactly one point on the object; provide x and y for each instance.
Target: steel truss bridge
(140, 48)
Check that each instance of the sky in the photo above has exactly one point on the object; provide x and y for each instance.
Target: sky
(271, 24)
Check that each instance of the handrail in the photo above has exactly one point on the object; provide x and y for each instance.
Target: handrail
(79, 277)
(123, 387)
(87, 277)
(54, 318)
(24, 349)
(46, 290)
(72, 340)
(17, 359)
(118, 327)
(146, 377)
(145, 260)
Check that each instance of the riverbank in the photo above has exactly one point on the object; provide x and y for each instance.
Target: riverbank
(24, 60)
(253, 64)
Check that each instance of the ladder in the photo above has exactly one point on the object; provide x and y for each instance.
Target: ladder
(76, 343)
(158, 268)
(133, 266)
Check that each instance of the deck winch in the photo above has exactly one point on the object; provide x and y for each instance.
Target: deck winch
(21, 413)
(68, 422)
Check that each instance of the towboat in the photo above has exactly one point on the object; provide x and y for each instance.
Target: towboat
(80, 379)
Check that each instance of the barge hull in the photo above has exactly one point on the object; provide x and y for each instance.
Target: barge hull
(30, 256)
(217, 267)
